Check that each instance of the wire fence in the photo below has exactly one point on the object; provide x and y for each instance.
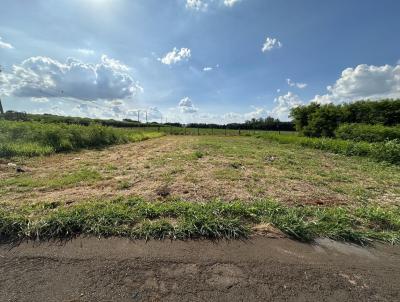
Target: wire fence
(173, 130)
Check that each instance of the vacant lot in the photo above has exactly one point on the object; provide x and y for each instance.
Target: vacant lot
(200, 186)
(203, 168)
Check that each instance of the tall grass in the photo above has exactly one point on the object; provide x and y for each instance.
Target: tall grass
(368, 133)
(135, 218)
(35, 138)
(388, 151)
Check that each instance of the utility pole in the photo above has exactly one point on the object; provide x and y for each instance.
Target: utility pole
(138, 116)
(1, 106)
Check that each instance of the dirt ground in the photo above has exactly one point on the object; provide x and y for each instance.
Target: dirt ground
(202, 169)
(259, 269)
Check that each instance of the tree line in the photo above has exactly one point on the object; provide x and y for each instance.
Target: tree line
(317, 120)
(268, 123)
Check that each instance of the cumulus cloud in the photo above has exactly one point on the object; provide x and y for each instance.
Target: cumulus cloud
(5, 45)
(186, 106)
(230, 3)
(198, 5)
(45, 77)
(258, 112)
(294, 84)
(207, 68)
(204, 5)
(283, 105)
(270, 44)
(176, 56)
(363, 82)
(39, 100)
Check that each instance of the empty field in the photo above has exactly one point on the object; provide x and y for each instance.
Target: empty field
(203, 168)
(201, 186)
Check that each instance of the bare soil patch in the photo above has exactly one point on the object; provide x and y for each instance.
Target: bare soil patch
(261, 269)
(202, 169)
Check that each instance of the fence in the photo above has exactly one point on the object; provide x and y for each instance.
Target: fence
(173, 130)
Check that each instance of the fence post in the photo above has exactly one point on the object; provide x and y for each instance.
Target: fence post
(239, 130)
(198, 130)
(225, 129)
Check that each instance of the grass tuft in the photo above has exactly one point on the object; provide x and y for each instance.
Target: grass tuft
(34, 138)
(136, 218)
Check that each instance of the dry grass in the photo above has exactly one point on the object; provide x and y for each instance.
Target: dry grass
(204, 168)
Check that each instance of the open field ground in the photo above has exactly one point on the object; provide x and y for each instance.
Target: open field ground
(203, 168)
(201, 186)
(258, 270)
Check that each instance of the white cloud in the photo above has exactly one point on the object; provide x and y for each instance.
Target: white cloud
(270, 44)
(230, 3)
(294, 84)
(363, 82)
(176, 56)
(207, 68)
(86, 52)
(198, 5)
(204, 5)
(45, 77)
(39, 100)
(257, 113)
(283, 105)
(186, 106)
(5, 45)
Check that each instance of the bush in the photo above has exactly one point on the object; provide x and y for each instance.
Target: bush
(369, 133)
(35, 138)
(388, 151)
(322, 120)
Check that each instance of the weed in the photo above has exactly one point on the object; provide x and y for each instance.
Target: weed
(198, 154)
(124, 185)
(136, 218)
(35, 138)
(388, 151)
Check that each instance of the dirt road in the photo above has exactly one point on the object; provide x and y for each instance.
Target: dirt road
(260, 269)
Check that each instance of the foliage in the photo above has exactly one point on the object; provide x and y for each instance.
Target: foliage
(322, 120)
(388, 151)
(35, 138)
(136, 218)
(368, 133)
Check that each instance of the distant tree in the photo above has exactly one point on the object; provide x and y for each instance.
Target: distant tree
(322, 120)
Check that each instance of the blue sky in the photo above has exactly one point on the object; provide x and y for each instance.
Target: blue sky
(195, 60)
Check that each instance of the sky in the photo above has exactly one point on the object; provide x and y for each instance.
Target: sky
(216, 61)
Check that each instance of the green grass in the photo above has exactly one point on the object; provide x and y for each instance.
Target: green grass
(368, 133)
(30, 139)
(388, 151)
(52, 181)
(136, 218)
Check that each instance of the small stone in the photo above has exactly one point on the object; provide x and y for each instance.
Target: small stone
(270, 159)
(12, 165)
(20, 170)
(163, 191)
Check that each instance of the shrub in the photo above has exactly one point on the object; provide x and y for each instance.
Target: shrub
(369, 133)
(388, 151)
(34, 138)
(322, 120)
